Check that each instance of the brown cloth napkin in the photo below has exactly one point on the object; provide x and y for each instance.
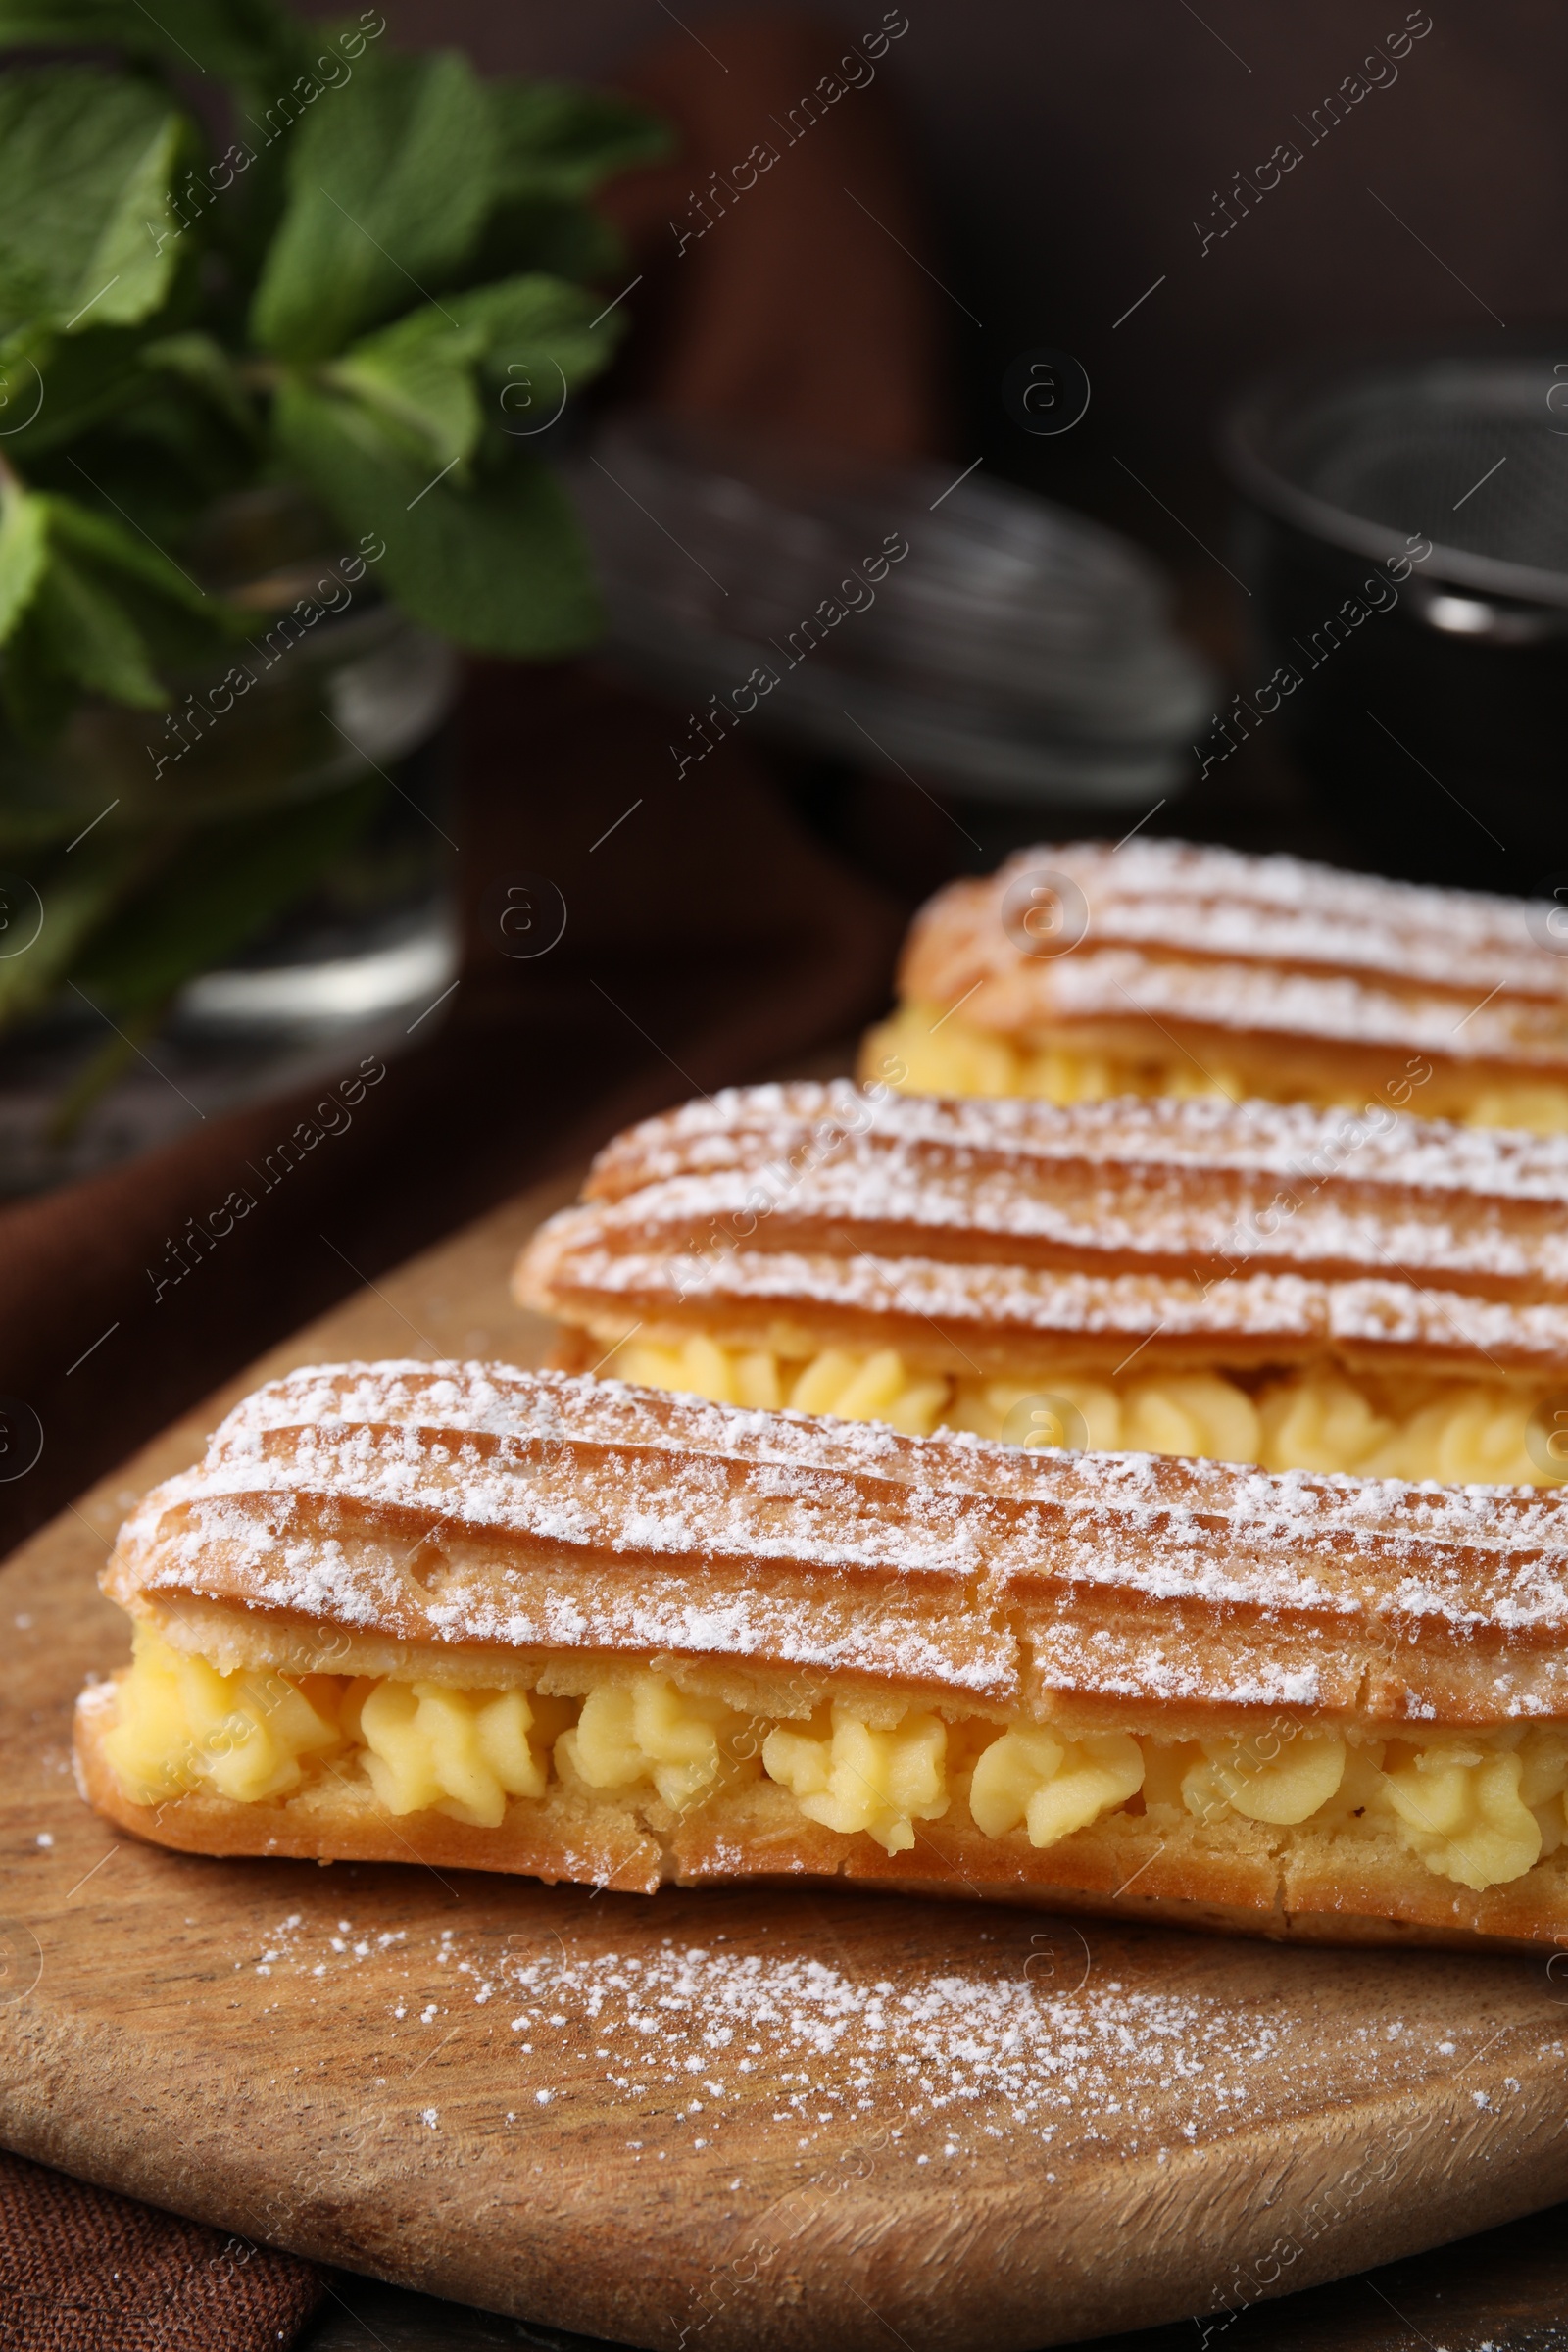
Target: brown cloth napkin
(707, 939)
(82, 2271)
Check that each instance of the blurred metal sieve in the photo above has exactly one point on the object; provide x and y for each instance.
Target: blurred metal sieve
(1013, 650)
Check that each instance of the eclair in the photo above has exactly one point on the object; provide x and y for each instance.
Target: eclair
(1251, 1282)
(1080, 971)
(470, 1616)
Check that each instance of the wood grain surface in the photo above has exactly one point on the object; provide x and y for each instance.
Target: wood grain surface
(1508, 2288)
(755, 2119)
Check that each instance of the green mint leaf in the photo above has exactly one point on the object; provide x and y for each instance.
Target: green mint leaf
(93, 610)
(218, 889)
(86, 228)
(78, 891)
(499, 569)
(528, 339)
(105, 542)
(23, 553)
(81, 632)
(54, 387)
(251, 42)
(177, 623)
(73, 639)
(502, 568)
(556, 139)
(418, 376)
(197, 360)
(556, 144)
(389, 181)
(537, 323)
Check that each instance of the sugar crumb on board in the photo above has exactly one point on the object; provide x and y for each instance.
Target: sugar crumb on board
(689, 2040)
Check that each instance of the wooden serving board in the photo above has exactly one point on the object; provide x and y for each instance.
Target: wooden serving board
(750, 2120)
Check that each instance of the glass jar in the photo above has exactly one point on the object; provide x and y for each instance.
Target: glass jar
(326, 728)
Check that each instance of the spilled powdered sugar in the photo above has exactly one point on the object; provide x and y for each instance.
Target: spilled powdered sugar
(1077, 2041)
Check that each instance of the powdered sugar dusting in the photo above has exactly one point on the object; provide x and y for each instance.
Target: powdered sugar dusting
(1003, 1219)
(1224, 902)
(993, 1305)
(568, 1512)
(1111, 983)
(756, 1126)
(1266, 945)
(766, 2035)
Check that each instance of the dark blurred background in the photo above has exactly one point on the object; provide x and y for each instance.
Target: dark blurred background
(1067, 160)
(1064, 152)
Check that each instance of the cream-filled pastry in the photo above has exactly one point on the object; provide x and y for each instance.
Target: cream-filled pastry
(473, 1616)
(1078, 972)
(1251, 1282)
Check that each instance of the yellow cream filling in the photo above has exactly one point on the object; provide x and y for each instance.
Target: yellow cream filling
(1462, 1431)
(942, 1053)
(860, 1778)
(1478, 1810)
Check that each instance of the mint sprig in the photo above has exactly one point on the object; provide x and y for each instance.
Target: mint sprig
(364, 354)
(372, 283)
